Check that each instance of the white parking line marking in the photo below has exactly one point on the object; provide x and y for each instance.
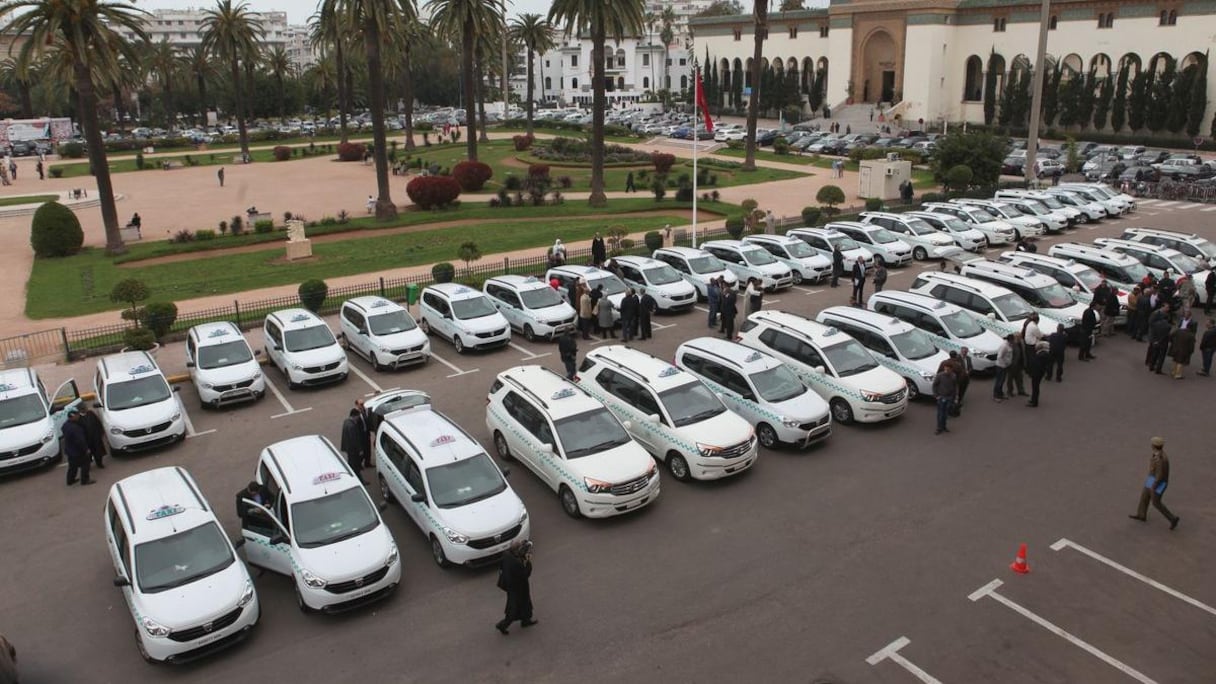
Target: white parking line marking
(1132, 573)
(701, 308)
(287, 407)
(772, 302)
(528, 355)
(363, 376)
(662, 326)
(1148, 201)
(1190, 205)
(990, 591)
(189, 424)
(803, 289)
(891, 652)
(1163, 205)
(1208, 209)
(457, 371)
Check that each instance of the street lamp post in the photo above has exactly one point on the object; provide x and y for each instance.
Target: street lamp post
(1036, 96)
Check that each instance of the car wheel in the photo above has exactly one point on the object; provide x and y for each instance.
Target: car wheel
(841, 411)
(767, 436)
(437, 554)
(569, 502)
(1017, 234)
(529, 333)
(458, 343)
(300, 602)
(678, 467)
(797, 276)
(500, 445)
(426, 327)
(913, 390)
(920, 254)
(380, 367)
(386, 495)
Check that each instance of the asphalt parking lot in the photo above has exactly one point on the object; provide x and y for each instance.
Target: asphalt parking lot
(874, 557)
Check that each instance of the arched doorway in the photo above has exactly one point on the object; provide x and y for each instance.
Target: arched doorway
(879, 60)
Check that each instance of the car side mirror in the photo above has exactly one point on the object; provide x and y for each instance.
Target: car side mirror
(991, 316)
(362, 330)
(447, 314)
(189, 364)
(654, 418)
(418, 498)
(277, 539)
(122, 582)
(177, 388)
(546, 448)
(628, 425)
(819, 370)
(97, 404)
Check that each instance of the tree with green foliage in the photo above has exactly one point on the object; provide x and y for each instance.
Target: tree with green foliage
(1072, 156)
(468, 252)
(759, 33)
(1051, 95)
(990, 89)
(791, 5)
(830, 196)
(232, 33)
(982, 152)
(1006, 107)
(55, 231)
(1106, 91)
(957, 178)
(1160, 95)
(1199, 98)
(1086, 100)
(1070, 100)
(815, 97)
(130, 291)
(1118, 111)
(538, 37)
(1137, 101)
(1180, 99)
(722, 8)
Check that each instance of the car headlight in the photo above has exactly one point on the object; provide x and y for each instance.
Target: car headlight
(789, 422)
(246, 596)
(383, 349)
(926, 375)
(154, 628)
(311, 579)
(176, 416)
(1073, 321)
(115, 431)
(523, 517)
(393, 555)
(871, 396)
(48, 437)
(595, 486)
(454, 536)
(651, 470)
(708, 450)
(206, 385)
(296, 366)
(257, 375)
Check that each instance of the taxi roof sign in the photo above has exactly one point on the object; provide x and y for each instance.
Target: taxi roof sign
(668, 372)
(300, 317)
(142, 368)
(326, 477)
(564, 393)
(753, 357)
(830, 331)
(5, 387)
(443, 439)
(165, 511)
(219, 332)
(379, 304)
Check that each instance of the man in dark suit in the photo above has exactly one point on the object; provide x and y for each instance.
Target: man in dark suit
(365, 424)
(646, 308)
(94, 434)
(354, 442)
(1089, 323)
(599, 251)
(513, 578)
(630, 305)
(837, 265)
(76, 448)
(728, 309)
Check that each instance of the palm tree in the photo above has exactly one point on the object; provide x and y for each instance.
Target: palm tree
(232, 33)
(17, 72)
(668, 36)
(87, 32)
(760, 14)
(164, 63)
(398, 66)
(602, 18)
(202, 69)
(329, 29)
(468, 19)
(377, 18)
(280, 67)
(538, 36)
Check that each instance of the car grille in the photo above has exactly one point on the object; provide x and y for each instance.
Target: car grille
(346, 587)
(735, 451)
(322, 369)
(492, 333)
(893, 398)
(184, 635)
(637, 484)
(23, 451)
(143, 432)
(407, 350)
(234, 386)
(682, 298)
(814, 424)
(487, 542)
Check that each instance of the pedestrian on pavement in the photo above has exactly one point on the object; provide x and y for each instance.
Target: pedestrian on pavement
(1110, 311)
(94, 434)
(1186, 291)
(1057, 342)
(647, 306)
(12, 168)
(371, 204)
(585, 311)
(1013, 375)
(76, 448)
(603, 313)
(770, 222)
(1182, 345)
(1209, 288)
(352, 443)
(859, 282)
(513, 578)
(906, 192)
(713, 295)
(1207, 347)
(1004, 358)
(559, 252)
(42, 176)
(1158, 339)
(964, 369)
(729, 309)
(1089, 323)
(595, 299)
(1155, 485)
(567, 348)
(1031, 334)
(837, 265)
(367, 428)
(599, 252)
(880, 275)
(220, 175)
(1142, 312)
(1038, 365)
(629, 187)
(945, 389)
(754, 294)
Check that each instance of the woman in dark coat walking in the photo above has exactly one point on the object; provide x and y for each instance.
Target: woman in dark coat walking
(1181, 348)
(513, 578)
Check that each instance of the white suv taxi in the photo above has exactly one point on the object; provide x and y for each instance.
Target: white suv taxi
(885, 245)
(833, 364)
(569, 440)
(759, 388)
(180, 576)
(926, 241)
(303, 347)
(806, 264)
(949, 326)
(899, 346)
(463, 315)
(825, 241)
(994, 307)
(30, 421)
(530, 306)
(696, 266)
(318, 526)
(383, 332)
(222, 366)
(1189, 244)
(137, 407)
(447, 484)
(670, 412)
(664, 283)
(569, 276)
(751, 261)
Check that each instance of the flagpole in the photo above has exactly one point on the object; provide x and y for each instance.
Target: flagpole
(696, 84)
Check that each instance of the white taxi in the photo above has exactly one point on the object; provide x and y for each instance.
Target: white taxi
(30, 421)
(531, 306)
(463, 315)
(383, 332)
(896, 345)
(137, 407)
(303, 347)
(697, 267)
(664, 283)
(806, 264)
(222, 366)
(950, 327)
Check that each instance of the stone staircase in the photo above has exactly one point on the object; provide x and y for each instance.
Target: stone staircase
(856, 118)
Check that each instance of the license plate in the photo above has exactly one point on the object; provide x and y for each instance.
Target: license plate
(209, 638)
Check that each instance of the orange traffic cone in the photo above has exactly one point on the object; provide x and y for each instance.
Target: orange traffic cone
(1019, 564)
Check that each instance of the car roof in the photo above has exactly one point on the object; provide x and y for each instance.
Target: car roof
(310, 467)
(1166, 252)
(160, 502)
(859, 225)
(729, 244)
(436, 438)
(208, 334)
(1002, 271)
(1172, 234)
(746, 358)
(924, 301)
(640, 261)
(686, 252)
(556, 395)
(1069, 264)
(294, 319)
(813, 331)
(981, 286)
(370, 302)
(885, 323)
(822, 232)
(652, 370)
(588, 272)
(15, 382)
(1094, 251)
(883, 214)
(753, 239)
(518, 282)
(454, 291)
(132, 363)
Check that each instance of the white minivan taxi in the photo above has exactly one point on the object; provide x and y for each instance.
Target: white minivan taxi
(899, 346)
(696, 266)
(447, 485)
(925, 241)
(950, 327)
(316, 524)
(531, 306)
(30, 421)
(463, 315)
(571, 441)
(994, 307)
(1051, 300)
(1079, 279)
(222, 365)
(751, 261)
(670, 412)
(569, 276)
(964, 235)
(383, 332)
(806, 264)
(303, 347)
(180, 577)
(759, 388)
(662, 282)
(832, 363)
(137, 407)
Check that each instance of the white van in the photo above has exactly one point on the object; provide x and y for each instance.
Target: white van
(1162, 260)
(997, 232)
(1189, 244)
(1113, 206)
(1046, 202)
(994, 307)
(825, 241)
(964, 235)
(568, 278)
(383, 332)
(31, 421)
(1053, 221)
(1091, 210)
(137, 407)
(924, 241)
(463, 315)
(697, 267)
(303, 348)
(1080, 279)
(1119, 269)
(898, 346)
(759, 388)
(887, 246)
(1024, 226)
(318, 526)
(806, 264)
(949, 326)
(751, 261)
(222, 366)
(1050, 299)
(664, 283)
(178, 572)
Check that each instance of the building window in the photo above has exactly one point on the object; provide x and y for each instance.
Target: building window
(1106, 20)
(620, 62)
(998, 25)
(823, 30)
(793, 32)
(1169, 18)
(738, 34)
(574, 83)
(1051, 23)
(573, 60)
(683, 62)
(645, 60)
(646, 82)
(668, 61)
(548, 83)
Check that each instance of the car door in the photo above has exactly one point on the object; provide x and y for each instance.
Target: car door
(442, 322)
(66, 397)
(391, 463)
(354, 329)
(626, 391)
(525, 443)
(274, 343)
(732, 387)
(415, 500)
(508, 304)
(633, 278)
(264, 530)
(120, 551)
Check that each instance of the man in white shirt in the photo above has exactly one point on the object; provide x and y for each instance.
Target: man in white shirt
(1031, 335)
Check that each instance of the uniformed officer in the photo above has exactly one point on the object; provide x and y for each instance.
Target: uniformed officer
(76, 447)
(1154, 486)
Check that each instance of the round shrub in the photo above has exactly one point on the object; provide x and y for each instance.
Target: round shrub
(662, 161)
(959, 177)
(263, 226)
(626, 243)
(538, 172)
(433, 192)
(523, 142)
(810, 215)
(159, 317)
(349, 151)
(749, 205)
(873, 204)
(443, 272)
(654, 240)
(204, 234)
(140, 339)
(932, 197)
(313, 294)
(282, 153)
(55, 231)
(71, 150)
(734, 226)
(472, 175)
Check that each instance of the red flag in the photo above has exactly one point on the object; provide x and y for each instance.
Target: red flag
(702, 103)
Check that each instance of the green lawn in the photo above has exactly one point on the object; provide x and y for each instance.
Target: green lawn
(81, 284)
(27, 199)
(211, 157)
(921, 178)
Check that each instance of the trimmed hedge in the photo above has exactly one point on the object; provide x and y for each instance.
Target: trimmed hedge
(313, 293)
(433, 192)
(443, 272)
(71, 150)
(55, 231)
(472, 175)
(349, 151)
(810, 215)
(538, 171)
(654, 240)
(523, 142)
(282, 153)
(159, 317)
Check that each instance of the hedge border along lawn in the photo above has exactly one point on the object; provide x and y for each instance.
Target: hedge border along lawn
(81, 284)
(27, 199)
(921, 178)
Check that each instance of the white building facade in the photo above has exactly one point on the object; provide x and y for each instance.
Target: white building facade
(633, 68)
(183, 29)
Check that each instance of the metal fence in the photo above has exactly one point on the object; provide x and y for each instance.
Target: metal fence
(32, 348)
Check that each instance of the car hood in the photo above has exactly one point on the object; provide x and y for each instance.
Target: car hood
(817, 261)
(405, 338)
(879, 379)
(143, 416)
(20, 436)
(676, 289)
(620, 464)
(551, 314)
(317, 357)
(349, 558)
(804, 408)
(494, 321)
(198, 602)
(723, 430)
(484, 518)
(227, 375)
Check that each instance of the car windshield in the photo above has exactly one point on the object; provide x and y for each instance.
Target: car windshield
(1055, 296)
(849, 358)
(21, 410)
(1029, 207)
(391, 323)
(181, 558)
(706, 264)
(590, 433)
(464, 482)
(757, 257)
(914, 344)
(1013, 307)
(540, 298)
(1050, 202)
(955, 225)
(1102, 192)
(798, 249)
(883, 236)
(312, 337)
(130, 394)
(224, 355)
(333, 517)
(918, 227)
(778, 384)
(612, 284)
(1189, 264)
(661, 275)
(1208, 249)
(473, 307)
(961, 325)
(691, 403)
(844, 242)
(1005, 211)
(1088, 277)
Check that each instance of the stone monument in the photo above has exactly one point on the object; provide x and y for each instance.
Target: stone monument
(298, 245)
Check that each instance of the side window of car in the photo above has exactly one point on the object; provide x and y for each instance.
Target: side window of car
(646, 401)
(272, 331)
(413, 476)
(631, 273)
(357, 319)
(928, 323)
(392, 450)
(878, 343)
(734, 381)
(120, 541)
(808, 355)
(976, 303)
(677, 263)
(694, 363)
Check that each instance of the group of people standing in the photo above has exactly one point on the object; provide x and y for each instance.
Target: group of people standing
(723, 301)
(84, 443)
(356, 442)
(596, 313)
